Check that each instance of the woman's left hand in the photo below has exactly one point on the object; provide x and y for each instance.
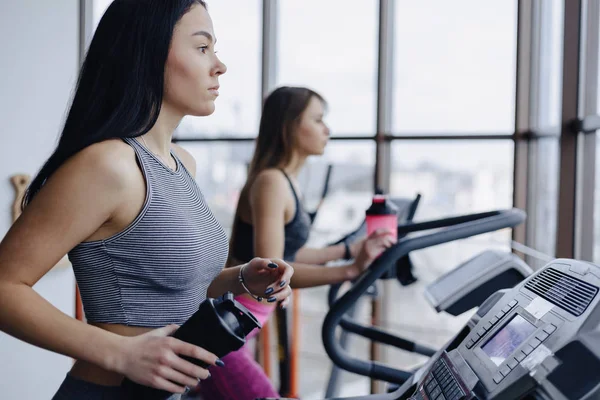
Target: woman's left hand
(375, 244)
(269, 279)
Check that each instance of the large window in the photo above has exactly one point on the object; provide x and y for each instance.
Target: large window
(453, 74)
(455, 177)
(238, 27)
(331, 46)
(350, 188)
(550, 64)
(454, 66)
(544, 159)
(544, 152)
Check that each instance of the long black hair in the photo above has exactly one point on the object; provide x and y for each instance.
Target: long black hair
(121, 83)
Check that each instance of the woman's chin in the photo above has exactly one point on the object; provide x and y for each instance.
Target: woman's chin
(204, 111)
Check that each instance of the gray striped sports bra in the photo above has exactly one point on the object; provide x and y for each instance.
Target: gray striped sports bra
(157, 270)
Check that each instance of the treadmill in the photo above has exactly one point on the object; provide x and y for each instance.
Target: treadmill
(463, 288)
(538, 340)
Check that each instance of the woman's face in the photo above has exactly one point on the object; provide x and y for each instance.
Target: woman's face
(312, 134)
(192, 70)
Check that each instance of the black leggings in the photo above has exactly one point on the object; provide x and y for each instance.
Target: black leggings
(73, 388)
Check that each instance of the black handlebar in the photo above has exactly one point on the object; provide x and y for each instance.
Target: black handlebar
(376, 334)
(454, 228)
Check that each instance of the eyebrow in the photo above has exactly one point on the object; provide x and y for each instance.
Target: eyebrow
(205, 34)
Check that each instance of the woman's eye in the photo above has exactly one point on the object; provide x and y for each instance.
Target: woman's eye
(203, 49)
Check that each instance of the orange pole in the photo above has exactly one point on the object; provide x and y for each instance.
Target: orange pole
(265, 341)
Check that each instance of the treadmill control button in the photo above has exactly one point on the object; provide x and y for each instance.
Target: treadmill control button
(494, 319)
(498, 378)
(527, 349)
(505, 370)
(499, 314)
(435, 392)
(549, 329)
(542, 335)
(512, 364)
(487, 326)
(520, 356)
(513, 303)
(446, 386)
(481, 332)
(456, 394)
(506, 309)
(451, 393)
(470, 344)
(431, 385)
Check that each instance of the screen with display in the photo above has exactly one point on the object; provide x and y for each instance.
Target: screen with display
(507, 339)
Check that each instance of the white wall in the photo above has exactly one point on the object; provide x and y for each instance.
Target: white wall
(39, 41)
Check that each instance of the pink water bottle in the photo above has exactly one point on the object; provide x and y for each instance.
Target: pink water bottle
(382, 214)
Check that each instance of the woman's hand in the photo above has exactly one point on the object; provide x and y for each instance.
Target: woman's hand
(371, 247)
(269, 279)
(356, 246)
(153, 359)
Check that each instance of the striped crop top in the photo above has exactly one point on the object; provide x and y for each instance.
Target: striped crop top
(157, 271)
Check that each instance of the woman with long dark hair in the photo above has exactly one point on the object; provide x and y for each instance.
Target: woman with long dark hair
(121, 200)
(271, 222)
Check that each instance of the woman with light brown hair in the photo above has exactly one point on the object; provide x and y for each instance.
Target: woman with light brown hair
(271, 222)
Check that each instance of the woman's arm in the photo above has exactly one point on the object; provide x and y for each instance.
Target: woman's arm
(79, 198)
(309, 255)
(268, 197)
(308, 275)
(226, 281)
(73, 204)
(265, 278)
(364, 253)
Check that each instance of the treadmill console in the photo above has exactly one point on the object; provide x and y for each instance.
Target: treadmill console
(443, 381)
(539, 338)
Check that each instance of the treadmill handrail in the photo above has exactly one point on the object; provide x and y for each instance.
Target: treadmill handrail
(376, 334)
(454, 228)
(410, 227)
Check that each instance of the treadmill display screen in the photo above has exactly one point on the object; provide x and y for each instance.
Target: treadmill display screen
(506, 340)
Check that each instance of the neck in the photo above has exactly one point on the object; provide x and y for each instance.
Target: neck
(158, 138)
(295, 165)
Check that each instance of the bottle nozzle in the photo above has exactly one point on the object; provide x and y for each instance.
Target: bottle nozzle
(379, 198)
